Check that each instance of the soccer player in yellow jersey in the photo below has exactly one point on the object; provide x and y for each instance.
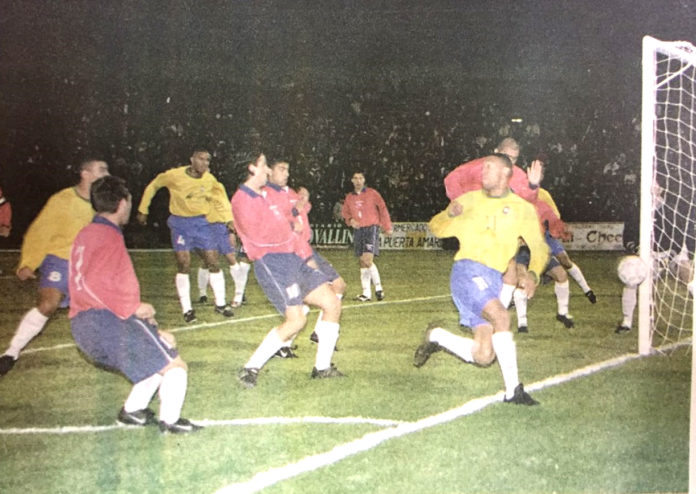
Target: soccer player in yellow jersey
(221, 224)
(190, 200)
(46, 247)
(559, 267)
(489, 224)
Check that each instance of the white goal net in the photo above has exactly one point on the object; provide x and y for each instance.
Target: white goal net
(668, 192)
(668, 205)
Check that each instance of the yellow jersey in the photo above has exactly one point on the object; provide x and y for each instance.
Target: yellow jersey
(188, 196)
(221, 209)
(545, 197)
(489, 230)
(55, 228)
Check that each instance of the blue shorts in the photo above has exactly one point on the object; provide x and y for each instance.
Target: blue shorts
(325, 266)
(190, 233)
(366, 240)
(221, 238)
(54, 274)
(554, 244)
(286, 279)
(553, 262)
(131, 346)
(473, 285)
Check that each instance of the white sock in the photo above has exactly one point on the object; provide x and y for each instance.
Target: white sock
(628, 304)
(521, 307)
(240, 275)
(327, 332)
(579, 278)
(506, 294)
(562, 291)
(203, 275)
(217, 283)
(142, 392)
(31, 324)
(270, 344)
(460, 346)
(506, 352)
(374, 276)
(183, 289)
(365, 279)
(172, 392)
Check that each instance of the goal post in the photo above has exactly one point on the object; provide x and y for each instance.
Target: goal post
(668, 205)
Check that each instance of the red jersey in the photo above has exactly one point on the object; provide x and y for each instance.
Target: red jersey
(262, 224)
(287, 199)
(5, 212)
(367, 208)
(468, 177)
(101, 271)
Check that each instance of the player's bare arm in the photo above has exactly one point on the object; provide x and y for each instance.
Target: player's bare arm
(24, 273)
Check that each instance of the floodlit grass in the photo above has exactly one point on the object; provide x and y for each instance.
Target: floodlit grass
(623, 429)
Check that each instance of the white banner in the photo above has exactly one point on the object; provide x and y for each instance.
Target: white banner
(585, 236)
(595, 236)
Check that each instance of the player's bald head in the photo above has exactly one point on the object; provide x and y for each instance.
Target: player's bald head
(509, 147)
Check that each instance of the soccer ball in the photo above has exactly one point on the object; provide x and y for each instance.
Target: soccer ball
(632, 270)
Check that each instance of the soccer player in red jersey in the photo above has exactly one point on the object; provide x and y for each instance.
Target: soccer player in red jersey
(284, 272)
(110, 323)
(364, 210)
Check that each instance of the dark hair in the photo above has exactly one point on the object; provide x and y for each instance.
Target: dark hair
(276, 161)
(505, 158)
(86, 161)
(106, 193)
(199, 149)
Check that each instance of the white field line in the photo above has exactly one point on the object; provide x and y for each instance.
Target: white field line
(206, 325)
(77, 429)
(373, 439)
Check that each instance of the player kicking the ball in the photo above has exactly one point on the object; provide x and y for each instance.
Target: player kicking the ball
(489, 224)
(286, 273)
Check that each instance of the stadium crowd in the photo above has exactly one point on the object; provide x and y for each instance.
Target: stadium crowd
(406, 133)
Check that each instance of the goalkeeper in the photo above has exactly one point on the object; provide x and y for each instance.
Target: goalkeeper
(489, 224)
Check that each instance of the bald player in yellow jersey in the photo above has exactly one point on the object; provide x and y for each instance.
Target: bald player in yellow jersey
(190, 201)
(222, 225)
(46, 247)
(489, 225)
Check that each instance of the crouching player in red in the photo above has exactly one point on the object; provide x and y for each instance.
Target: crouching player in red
(109, 322)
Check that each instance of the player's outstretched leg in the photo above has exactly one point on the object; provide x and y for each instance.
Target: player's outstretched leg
(427, 348)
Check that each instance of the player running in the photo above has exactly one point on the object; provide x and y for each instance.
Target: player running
(488, 224)
(191, 190)
(46, 247)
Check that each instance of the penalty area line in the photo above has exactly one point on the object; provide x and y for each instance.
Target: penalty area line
(371, 440)
(77, 429)
(207, 325)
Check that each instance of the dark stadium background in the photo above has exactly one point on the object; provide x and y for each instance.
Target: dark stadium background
(405, 90)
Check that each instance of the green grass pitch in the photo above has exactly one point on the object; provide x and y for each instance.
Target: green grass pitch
(386, 428)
